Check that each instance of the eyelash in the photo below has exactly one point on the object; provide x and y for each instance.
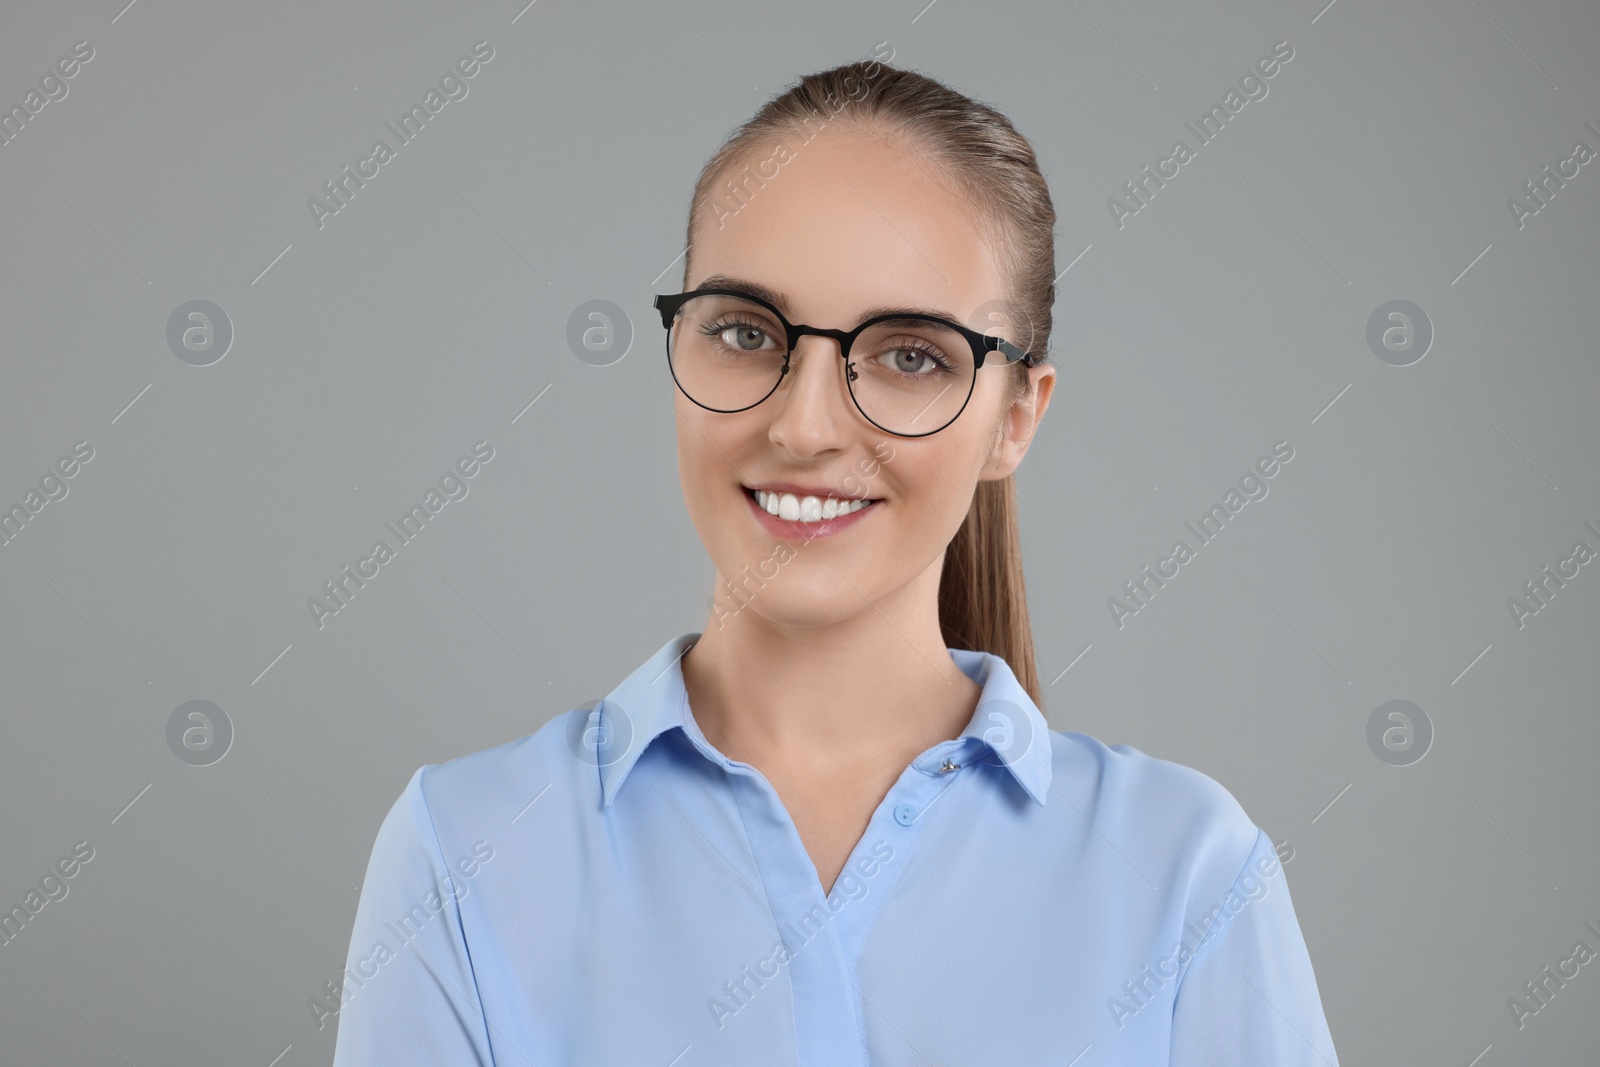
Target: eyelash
(715, 329)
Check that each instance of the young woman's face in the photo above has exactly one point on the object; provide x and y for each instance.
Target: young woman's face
(846, 225)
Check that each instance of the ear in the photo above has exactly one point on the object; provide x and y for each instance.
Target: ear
(1021, 421)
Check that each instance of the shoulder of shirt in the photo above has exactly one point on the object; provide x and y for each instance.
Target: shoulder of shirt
(1179, 826)
(494, 787)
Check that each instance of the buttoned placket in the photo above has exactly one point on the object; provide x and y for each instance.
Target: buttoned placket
(823, 941)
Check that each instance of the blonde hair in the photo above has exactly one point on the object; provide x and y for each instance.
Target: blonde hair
(982, 603)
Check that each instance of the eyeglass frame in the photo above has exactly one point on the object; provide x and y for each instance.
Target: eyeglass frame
(982, 344)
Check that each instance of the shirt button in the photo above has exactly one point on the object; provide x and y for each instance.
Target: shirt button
(904, 814)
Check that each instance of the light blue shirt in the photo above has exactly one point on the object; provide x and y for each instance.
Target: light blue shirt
(612, 890)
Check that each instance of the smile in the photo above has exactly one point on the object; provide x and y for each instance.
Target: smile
(806, 508)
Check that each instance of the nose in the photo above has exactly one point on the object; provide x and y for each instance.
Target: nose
(812, 409)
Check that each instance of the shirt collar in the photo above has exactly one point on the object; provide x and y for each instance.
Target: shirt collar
(1006, 724)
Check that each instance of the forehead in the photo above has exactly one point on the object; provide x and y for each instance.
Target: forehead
(844, 223)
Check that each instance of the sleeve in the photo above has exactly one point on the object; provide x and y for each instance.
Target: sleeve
(408, 993)
(1248, 994)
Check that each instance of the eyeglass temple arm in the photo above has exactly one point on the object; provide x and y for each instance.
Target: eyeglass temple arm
(1013, 353)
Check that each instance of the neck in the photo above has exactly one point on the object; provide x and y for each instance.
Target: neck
(878, 685)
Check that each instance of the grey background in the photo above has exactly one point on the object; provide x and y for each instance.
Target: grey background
(1230, 313)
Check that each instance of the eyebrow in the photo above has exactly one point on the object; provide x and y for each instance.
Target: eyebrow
(781, 301)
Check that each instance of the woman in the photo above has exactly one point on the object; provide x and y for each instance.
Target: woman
(834, 828)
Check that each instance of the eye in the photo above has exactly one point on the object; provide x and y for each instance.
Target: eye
(738, 334)
(915, 360)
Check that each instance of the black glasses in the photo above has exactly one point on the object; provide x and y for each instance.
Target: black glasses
(911, 375)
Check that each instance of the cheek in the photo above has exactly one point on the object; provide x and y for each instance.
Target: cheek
(696, 467)
(710, 454)
(933, 484)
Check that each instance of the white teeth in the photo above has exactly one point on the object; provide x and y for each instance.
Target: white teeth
(806, 509)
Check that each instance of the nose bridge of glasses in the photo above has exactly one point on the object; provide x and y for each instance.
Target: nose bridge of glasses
(831, 360)
(798, 332)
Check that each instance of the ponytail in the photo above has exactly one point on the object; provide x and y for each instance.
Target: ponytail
(983, 604)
